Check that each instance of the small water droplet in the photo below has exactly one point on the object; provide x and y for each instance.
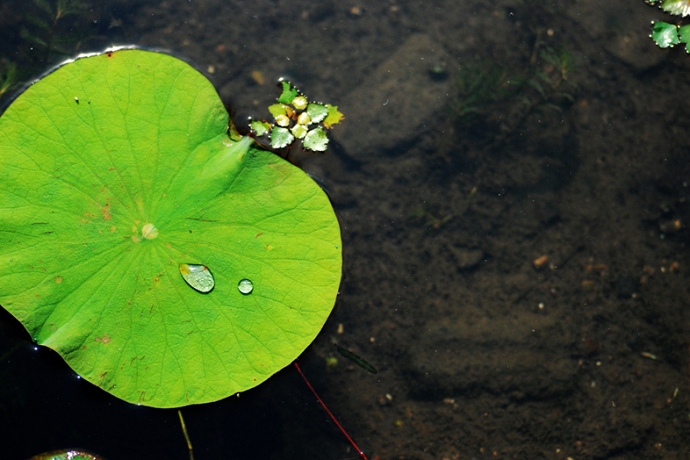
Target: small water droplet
(149, 231)
(245, 286)
(199, 277)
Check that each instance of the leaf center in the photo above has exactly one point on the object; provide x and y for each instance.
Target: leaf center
(149, 231)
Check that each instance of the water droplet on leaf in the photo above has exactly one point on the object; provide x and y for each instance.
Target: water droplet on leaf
(149, 232)
(199, 277)
(245, 286)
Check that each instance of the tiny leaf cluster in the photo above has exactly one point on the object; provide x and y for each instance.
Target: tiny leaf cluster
(297, 118)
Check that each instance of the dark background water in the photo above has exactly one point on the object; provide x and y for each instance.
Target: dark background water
(511, 181)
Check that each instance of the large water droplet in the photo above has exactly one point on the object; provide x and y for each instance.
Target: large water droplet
(245, 286)
(199, 277)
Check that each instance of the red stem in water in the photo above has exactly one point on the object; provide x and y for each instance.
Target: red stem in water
(361, 454)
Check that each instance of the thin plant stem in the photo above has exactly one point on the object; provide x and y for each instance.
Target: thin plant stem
(361, 453)
(186, 436)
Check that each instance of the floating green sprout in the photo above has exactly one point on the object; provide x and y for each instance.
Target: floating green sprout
(297, 118)
(667, 35)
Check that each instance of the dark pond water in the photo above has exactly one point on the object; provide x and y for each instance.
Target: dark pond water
(511, 181)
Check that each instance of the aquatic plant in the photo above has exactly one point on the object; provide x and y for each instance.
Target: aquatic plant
(478, 86)
(296, 118)
(494, 100)
(667, 35)
(44, 32)
(8, 76)
(168, 263)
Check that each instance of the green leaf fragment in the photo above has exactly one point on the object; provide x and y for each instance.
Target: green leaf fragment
(283, 120)
(26, 35)
(45, 6)
(8, 75)
(299, 102)
(38, 22)
(334, 117)
(317, 112)
(114, 170)
(260, 127)
(281, 137)
(676, 7)
(664, 34)
(299, 131)
(233, 134)
(355, 358)
(535, 84)
(288, 94)
(73, 7)
(316, 140)
(278, 109)
(303, 119)
(684, 36)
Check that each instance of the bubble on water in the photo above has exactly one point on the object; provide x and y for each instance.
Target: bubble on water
(245, 286)
(199, 277)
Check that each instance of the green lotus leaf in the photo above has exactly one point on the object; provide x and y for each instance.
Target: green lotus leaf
(117, 181)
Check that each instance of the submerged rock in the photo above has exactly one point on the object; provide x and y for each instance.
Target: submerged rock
(524, 357)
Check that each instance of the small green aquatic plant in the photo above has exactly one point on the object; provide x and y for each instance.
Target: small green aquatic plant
(491, 99)
(45, 29)
(296, 118)
(478, 86)
(47, 36)
(8, 76)
(667, 35)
